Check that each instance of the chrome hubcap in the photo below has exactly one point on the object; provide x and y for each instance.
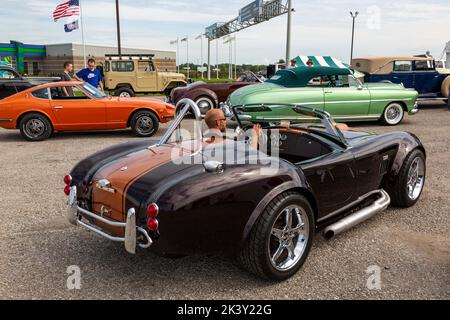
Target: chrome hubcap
(394, 114)
(125, 95)
(416, 178)
(288, 239)
(204, 106)
(35, 128)
(144, 124)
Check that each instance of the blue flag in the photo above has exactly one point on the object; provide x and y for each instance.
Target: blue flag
(71, 26)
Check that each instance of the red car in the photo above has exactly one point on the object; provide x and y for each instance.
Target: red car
(210, 95)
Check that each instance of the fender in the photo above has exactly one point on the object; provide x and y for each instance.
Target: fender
(408, 143)
(299, 182)
(195, 94)
(45, 113)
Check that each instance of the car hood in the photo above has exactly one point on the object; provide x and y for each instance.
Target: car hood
(173, 75)
(443, 71)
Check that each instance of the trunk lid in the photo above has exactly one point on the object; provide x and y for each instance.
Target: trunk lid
(111, 182)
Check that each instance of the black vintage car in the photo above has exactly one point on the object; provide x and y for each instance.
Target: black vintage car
(12, 82)
(186, 195)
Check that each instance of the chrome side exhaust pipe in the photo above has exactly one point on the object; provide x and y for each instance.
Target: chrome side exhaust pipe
(359, 216)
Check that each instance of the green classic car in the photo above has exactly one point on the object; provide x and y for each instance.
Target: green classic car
(327, 84)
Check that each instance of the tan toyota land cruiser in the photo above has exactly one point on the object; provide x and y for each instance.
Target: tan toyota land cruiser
(134, 73)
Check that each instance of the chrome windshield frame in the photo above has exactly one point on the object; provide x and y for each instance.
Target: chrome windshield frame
(324, 116)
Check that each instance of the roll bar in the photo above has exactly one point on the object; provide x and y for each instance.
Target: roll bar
(181, 109)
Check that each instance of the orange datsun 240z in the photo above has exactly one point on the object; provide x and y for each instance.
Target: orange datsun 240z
(78, 106)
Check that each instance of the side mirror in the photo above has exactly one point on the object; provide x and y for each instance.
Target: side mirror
(213, 166)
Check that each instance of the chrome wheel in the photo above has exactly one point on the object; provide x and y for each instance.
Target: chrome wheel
(34, 128)
(289, 237)
(144, 125)
(416, 178)
(125, 94)
(204, 104)
(393, 114)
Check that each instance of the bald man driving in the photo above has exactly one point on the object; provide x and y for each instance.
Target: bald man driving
(217, 123)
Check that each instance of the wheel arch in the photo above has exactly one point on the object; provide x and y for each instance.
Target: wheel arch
(400, 102)
(175, 84)
(204, 92)
(141, 109)
(122, 85)
(288, 186)
(43, 113)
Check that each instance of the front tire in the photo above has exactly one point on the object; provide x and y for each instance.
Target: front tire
(393, 114)
(280, 239)
(144, 123)
(35, 127)
(410, 181)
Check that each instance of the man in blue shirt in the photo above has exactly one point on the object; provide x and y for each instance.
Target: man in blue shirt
(90, 75)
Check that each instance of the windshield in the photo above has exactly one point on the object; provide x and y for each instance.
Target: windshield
(289, 115)
(93, 91)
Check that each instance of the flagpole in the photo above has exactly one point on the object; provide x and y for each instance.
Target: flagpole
(82, 34)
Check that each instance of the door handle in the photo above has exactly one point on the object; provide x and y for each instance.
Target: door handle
(328, 91)
(59, 107)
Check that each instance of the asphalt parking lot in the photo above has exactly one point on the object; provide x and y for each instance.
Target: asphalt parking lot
(411, 246)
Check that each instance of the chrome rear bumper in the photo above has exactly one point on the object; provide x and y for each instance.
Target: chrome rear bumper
(75, 215)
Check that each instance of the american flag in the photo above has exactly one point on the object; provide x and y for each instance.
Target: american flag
(67, 9)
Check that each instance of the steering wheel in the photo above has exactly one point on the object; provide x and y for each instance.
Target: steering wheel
(244, 134)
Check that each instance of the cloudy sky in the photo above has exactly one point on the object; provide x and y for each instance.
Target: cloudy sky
(320, 27)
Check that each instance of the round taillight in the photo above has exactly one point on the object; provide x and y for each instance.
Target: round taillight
(152, 210)
(67, 190)
(152, 224)
(68, 179)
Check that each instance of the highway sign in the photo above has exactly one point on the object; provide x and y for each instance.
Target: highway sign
(250, 11)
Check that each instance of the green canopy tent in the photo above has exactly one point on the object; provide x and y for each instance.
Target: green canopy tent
(309, 67)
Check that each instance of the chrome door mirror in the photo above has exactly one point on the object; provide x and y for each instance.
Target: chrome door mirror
(213, 166)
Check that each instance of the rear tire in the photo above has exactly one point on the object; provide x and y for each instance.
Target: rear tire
(144, 123)
(410, 181)
(393, 114)
(35, 127)
(124, 92)
(205, 104)
(273, 249)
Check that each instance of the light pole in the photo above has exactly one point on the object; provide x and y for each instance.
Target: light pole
(353, 15)
(217, 58)
(288, 33)
(235, 62)
(119, 47)
(201, 50)
(187, 54)
(176, 54)
(229, 40)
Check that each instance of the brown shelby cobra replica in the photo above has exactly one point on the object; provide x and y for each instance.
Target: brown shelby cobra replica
(210, 95)
(185, 196)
